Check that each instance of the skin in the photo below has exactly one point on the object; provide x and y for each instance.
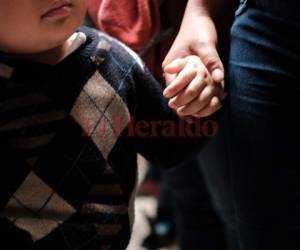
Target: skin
(193, 82)
(26, 33)
(198, 36)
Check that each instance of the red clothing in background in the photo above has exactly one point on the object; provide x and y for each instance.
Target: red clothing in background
(134, 22)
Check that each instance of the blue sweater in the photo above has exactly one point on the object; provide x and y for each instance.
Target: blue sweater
(69, 138)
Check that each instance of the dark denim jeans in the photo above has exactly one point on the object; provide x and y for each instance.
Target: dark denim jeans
(185, 204)
(254, 166)
(198, 226)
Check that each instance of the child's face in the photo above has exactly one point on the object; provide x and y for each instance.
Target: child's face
(33, 26)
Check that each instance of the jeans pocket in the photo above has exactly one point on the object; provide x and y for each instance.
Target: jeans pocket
(241, 8)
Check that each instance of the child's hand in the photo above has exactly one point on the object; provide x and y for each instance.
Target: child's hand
(192, 89)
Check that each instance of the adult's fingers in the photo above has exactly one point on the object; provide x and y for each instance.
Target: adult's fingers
(178, 50)
(209, 55)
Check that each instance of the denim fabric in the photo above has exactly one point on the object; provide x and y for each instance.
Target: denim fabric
(215, 169)
(253, 167)
(197, 223)
(288, 9)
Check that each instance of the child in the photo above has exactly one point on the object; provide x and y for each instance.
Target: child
(67, 138)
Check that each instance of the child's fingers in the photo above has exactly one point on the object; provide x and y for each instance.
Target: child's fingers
(202, 101)
(176, 66)
(191, 91)
(169, 78)
(182, 80)
(213, 106)
(172, 103)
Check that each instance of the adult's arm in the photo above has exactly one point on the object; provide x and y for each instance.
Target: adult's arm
(198, 34)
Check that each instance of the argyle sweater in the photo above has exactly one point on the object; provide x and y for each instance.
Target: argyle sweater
(69, 138)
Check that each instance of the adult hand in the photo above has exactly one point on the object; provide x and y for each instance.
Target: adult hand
(197, 36)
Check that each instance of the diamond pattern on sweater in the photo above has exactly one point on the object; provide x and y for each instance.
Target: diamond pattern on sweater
(34, 207)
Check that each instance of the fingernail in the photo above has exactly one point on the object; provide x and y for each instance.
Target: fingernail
(165, 93)
(198, 115)
(172, 104)
(180, 112)
(170, 65)
(218, 75)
